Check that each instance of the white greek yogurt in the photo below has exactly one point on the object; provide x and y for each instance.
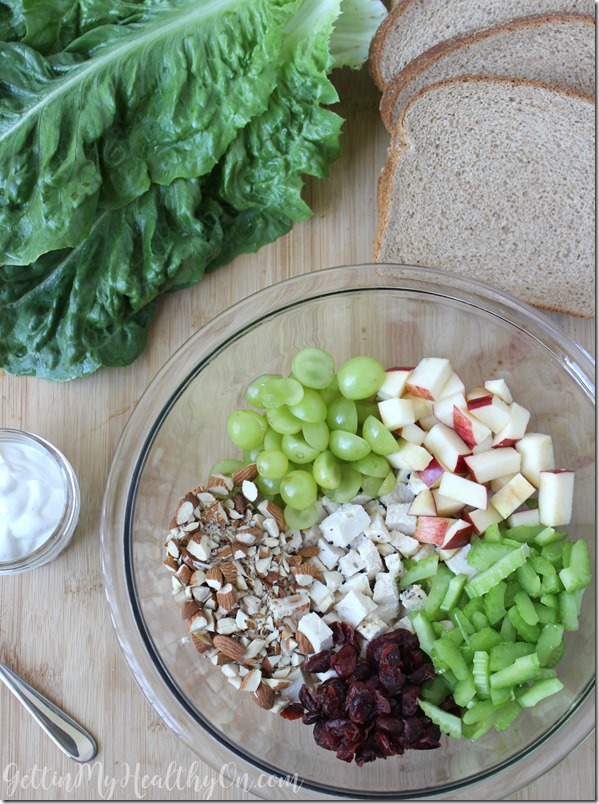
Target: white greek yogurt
(32, 498)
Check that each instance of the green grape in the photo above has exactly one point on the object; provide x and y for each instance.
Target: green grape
(316, 435)
(267, 486)
(272, 464)
(313, 367)
(372, 465)
(281, 391)
(311, 408)
(342, 415)
(283, 421)
(272, 439)
(348, 446)
(330, 392)
(351, 483)
(360, 377)
(366, 408)
(297, 449)
(327, 471)
(371, 485)
(246, 428)
(250, 455)
(388, 484)
(253, 393)
(301, 519)
(227, 467)
(298, 489)
(381, 440)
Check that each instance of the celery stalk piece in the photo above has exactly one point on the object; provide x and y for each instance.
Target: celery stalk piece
(539, 690)
(448, 653)
(448, 723)
(524, 669)
(480, 673)
(577, 572)
(481, 583)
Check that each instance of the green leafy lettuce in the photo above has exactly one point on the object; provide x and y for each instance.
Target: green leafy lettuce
(195, 123)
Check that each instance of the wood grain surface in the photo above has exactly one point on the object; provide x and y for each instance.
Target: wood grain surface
(55, 628)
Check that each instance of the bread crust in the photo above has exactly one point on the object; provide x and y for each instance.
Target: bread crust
(423, 62)
(400, 142)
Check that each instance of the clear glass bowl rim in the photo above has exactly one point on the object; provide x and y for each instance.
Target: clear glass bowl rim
(152, 409)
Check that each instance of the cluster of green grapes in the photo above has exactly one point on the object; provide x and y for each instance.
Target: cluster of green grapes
(320, 434)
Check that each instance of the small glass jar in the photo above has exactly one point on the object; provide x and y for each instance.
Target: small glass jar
(29, 457)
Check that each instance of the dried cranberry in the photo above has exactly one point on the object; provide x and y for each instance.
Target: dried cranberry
(324, 737)
(384, 743)
(409, 700)
(320, 662)
(344, 661)
(307, 699)
(292, 711)
(331, 696)
(362, 670)
(343, 727)
(412, 729)
(382, 704)
(311, 717)
(392, 725)
(423, 673)
(360, 703)
(342, 633)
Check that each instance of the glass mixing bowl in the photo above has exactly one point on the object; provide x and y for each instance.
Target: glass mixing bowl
(177, 432)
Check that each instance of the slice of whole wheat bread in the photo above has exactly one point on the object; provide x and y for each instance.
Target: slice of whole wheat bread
(414, 26)
(494, 178)
(554, 49)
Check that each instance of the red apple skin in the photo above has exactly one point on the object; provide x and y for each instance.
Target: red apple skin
(400, 368)
(460, 538)
(418, 390)
(463, 427)
(480, 401)
(507, 442)
(431, 476)
(431, 529)
(461, 467)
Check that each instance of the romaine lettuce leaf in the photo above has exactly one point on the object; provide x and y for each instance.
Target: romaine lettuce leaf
(149, 102)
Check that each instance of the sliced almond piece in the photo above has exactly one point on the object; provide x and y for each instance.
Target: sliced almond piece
(248, 472)
(229, 646)
(264, 696)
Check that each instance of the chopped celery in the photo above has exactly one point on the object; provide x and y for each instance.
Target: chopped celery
(482, 710)
(481, 583)
(568, 610)
(436, 593)
(419, 570)
(526, 608)
(483, 554)
(506, 715)
(502, 696)
(549, 536)
(524, 533)
(480, 673)
(423, 630)
(576, 573)
(454, 590)
(435, 690)
(526, 668)
(530, 633)
(464, 691)
(448, 653)
(506, 653)
(553, 553)
(545, 613)
(448, 723)
(479, 620)
(529, 580)
(494, 603)
(507, 631)
(550, 644)
(539, 690)
(485, 639)
(461, 623)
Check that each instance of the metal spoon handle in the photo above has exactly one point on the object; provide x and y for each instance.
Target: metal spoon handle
(68, 735)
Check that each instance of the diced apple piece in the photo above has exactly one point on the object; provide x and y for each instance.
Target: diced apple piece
(431, 475)
(453, 386)
(432, 529)
(500, 388)
(536, 450)
(413, 433)
(484, 445)
(395, 412)
(528, 516)
(556, 496)
(515, 429)
(446, 445)
(423, 504)
(512, 495)
(428, 422)
(422, 407)
(394, 383)
(486, 466)
(463, 490)
(458, 535)
(471, 430)
(490, 410)
(446, 555)
(429, 377)
(409, 456)
(499, 482)
(482, 518)
(475, 393)
(446, 506)
(443, 408)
